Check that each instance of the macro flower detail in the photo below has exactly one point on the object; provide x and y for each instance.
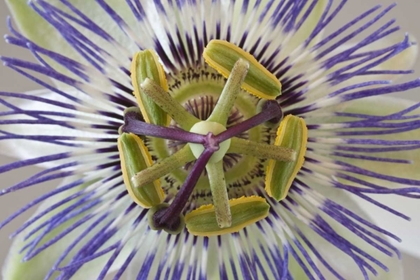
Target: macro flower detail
(208, 139)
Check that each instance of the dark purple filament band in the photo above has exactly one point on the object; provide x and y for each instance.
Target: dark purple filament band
(134, 125)
(271, 111)
(169, 217)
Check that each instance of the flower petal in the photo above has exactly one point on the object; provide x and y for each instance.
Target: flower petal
(38, 30)
(49, 114)
(384, 106)
(23, 148)
(403, 61)
(39, 266)
(308, 26)
(395, 110)
(406, 230)
(337, 231)
(342, 263)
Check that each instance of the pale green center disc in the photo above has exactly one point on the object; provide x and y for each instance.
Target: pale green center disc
(204, 128)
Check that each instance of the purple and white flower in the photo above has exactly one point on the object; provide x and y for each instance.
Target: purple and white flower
(361, 144)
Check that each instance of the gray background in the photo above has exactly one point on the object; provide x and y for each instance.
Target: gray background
(408, 18)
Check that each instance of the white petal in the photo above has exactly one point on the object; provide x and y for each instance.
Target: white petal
(39, 266)
(382, 106)
(323, 80)
(306, 29)
(405, 60)
(405, 230)
(340, 261)
(23, 149)
(37, 29)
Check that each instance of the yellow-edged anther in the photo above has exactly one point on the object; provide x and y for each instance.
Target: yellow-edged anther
(135, 157)
(292, 133)
(222, 56)
(146, 64)
(244, 210)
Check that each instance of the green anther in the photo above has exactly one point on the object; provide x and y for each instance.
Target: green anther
(219, 193)
(292, 134)
(261, 150)
(134, 158)
(204, 127)
(244, 210)
(222, 55)
(231, 90)
(168, 104)
(163, 167)
(146, 64)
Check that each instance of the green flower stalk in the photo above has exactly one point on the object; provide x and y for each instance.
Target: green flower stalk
(208, 139)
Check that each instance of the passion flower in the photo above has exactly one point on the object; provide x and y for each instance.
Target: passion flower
(208, 139)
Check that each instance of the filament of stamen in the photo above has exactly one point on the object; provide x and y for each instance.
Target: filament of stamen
(219, 194)
(231, 90)
(247, 147)
(168, 104)
(163, 167)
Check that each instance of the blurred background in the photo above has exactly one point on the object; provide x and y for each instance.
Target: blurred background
(407, 17)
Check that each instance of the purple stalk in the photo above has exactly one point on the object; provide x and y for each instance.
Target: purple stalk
(168, 217)
(271, 110)
(136, 126)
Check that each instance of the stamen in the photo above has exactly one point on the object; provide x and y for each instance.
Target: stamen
(219, 193)
(146, 64)
(168, 104)
(222, 55)
(292, 133)
(207, 141)
(134, 158)
(245, 211)
(163, 167)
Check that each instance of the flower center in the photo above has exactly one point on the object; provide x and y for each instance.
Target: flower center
(206, 143)
(210, 129)
(201, 104)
